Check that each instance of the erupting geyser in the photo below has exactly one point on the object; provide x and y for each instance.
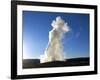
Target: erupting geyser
(54, 50)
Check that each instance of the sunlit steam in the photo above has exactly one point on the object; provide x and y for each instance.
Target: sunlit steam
(54, 50)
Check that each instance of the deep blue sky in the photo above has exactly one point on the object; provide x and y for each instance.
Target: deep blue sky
(36, 26)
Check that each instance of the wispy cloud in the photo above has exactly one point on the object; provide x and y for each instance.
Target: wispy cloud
(77, 34)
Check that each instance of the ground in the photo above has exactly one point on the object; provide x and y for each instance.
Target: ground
(35, 63)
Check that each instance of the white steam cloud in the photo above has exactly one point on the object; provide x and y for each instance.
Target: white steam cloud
(61, 24)
(54, 50)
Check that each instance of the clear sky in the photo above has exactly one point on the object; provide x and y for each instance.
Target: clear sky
(36, 27)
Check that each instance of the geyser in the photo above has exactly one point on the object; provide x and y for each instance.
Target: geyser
(54, 50)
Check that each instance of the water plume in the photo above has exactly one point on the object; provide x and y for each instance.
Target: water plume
(54, 50)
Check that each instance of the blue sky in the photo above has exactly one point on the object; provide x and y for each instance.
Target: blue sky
(36, 26)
